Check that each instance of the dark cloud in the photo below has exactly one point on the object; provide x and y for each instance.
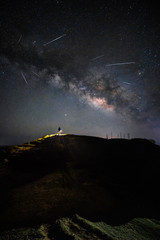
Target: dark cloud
(60, 68)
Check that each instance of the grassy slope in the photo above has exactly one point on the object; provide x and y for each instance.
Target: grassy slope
(54, 177)
(78, 228)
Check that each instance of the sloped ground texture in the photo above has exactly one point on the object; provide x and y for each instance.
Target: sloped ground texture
(80, 187)
(78, 228)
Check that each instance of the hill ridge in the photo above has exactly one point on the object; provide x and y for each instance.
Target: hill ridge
(57, 176)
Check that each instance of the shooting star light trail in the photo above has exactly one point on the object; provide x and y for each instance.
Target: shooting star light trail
(54, 40)
(35, 74)
(19, 39)
(24, 78)
(127, 83)
(93, 59)
(119, 64)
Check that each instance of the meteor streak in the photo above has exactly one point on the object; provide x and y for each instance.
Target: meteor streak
(24, 77)
(127, 83)
(19, 39)
(35, 74)
(54, 40)
(119, 64)
(93, 59)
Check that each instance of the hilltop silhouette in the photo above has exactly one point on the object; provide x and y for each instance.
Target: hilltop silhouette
(79, 177)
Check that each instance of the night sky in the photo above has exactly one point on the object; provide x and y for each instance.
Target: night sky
(90, 67)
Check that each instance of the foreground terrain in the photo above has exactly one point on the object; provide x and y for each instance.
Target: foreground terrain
(79, 187)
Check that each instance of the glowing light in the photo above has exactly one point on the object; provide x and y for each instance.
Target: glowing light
(51, 135)
(100, 103)
(97, 102)
(100, 87)
(54, 40)
(119, 64)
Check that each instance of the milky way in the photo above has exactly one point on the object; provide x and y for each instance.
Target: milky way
(92, 68)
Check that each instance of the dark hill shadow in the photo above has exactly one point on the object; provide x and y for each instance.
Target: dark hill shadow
(113, 180)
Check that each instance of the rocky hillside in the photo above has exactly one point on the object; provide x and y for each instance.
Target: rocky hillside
(80, 187)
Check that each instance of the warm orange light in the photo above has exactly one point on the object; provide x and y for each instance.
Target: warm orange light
(100, 103)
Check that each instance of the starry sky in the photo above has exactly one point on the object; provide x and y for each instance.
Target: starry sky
(90, 67)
